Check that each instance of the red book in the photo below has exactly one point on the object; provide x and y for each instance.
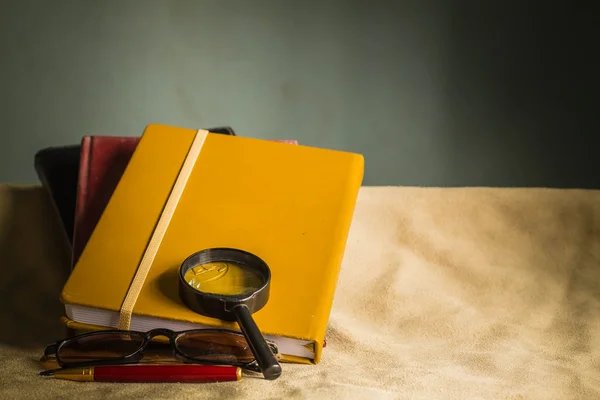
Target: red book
(103, 160)
(102, 163)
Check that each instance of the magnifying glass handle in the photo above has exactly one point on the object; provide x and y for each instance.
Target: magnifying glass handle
(266, 360)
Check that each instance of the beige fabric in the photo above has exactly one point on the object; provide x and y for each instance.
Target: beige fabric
(444, 294)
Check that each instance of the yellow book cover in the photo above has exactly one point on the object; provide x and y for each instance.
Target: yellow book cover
(290, 205)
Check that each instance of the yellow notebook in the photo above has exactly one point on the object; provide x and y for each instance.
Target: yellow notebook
(290, 205)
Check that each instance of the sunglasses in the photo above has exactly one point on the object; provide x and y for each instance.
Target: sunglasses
(198, 346)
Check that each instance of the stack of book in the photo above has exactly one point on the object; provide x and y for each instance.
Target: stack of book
(290, 204)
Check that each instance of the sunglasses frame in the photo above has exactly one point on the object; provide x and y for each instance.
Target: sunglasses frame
(136, 356)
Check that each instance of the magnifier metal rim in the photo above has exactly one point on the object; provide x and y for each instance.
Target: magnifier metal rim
(233, 255)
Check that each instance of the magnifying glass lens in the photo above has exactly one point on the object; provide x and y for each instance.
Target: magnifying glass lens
(224, 278)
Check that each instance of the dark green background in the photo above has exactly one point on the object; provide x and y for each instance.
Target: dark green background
(443, 93)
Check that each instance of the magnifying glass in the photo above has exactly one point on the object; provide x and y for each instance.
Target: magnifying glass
(230, 284)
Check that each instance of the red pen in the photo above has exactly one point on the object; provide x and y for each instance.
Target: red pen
(190, 373)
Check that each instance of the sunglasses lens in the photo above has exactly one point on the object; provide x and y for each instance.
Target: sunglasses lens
(215, 346)
(99, 347)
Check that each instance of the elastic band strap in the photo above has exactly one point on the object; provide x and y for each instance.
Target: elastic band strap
(159, 232)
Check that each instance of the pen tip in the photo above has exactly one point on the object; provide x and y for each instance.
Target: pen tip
(47, 373)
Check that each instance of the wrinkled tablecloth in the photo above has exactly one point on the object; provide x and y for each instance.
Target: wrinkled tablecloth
(444, 293)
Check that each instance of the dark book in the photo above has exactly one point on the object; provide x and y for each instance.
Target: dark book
(57, 169)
